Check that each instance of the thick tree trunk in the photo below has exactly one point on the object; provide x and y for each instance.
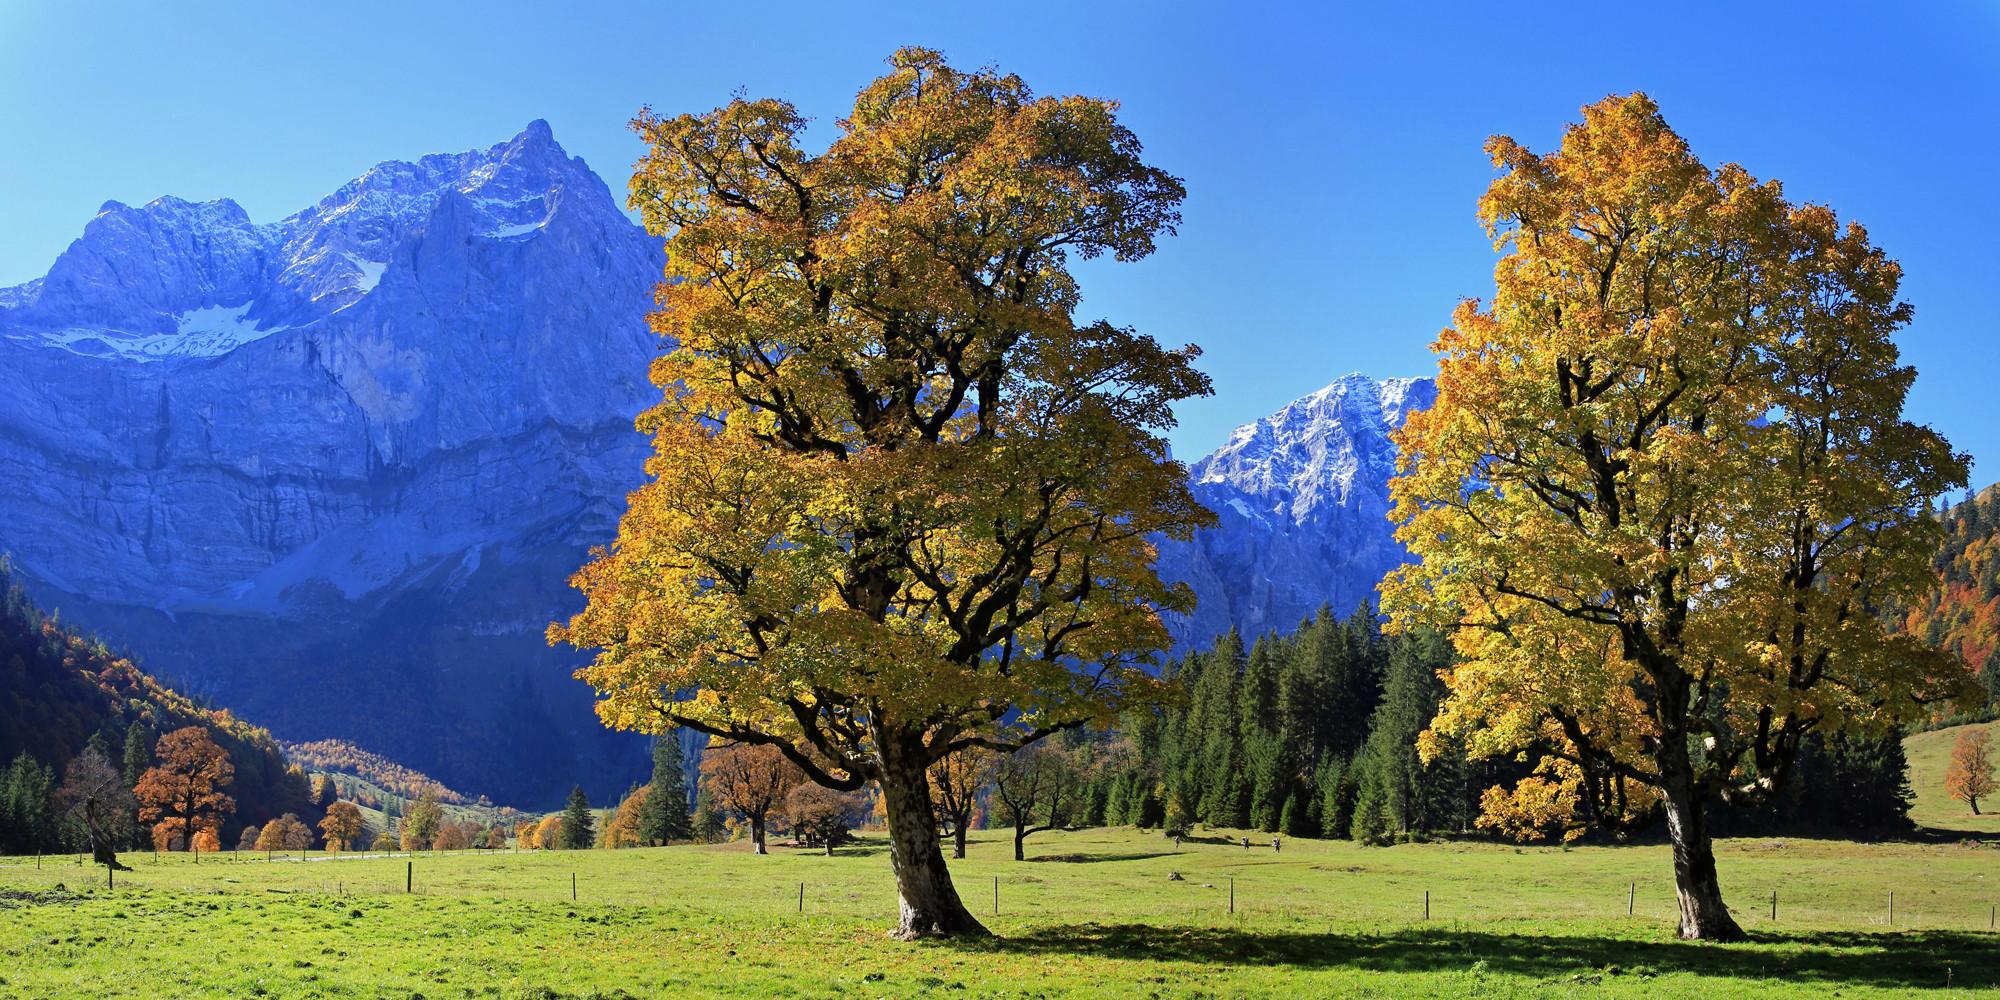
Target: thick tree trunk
(757, 833)
(1020, 834)
(1703, 914)
(928, 904)
(958, 838)
(102, 848)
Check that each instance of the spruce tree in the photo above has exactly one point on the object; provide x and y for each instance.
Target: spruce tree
(577, 831)
(138, 753)
(28, 815)
(664, 816)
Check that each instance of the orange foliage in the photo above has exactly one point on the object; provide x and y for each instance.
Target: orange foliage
(346, 758)
(184, 791)
(341, 825)
(1970, 776)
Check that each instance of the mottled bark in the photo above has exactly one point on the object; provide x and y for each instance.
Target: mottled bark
(927, 903)
(1703, 914)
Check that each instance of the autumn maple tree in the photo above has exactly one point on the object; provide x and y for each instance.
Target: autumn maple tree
(901, 499)
(182, 794)
(751, 779)
(1664, 486)
(955, 784)
(1969, 777)
(341, 825)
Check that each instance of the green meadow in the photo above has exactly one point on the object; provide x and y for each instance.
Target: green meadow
(1091, 913)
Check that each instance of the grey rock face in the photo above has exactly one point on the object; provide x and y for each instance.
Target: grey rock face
(1303, 501)
(333, 470)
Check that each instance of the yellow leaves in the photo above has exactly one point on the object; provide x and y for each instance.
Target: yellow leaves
(893, 483)
(1666, 463)
(1534, 808)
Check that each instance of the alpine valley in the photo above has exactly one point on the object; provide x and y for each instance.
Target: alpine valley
(333, 471)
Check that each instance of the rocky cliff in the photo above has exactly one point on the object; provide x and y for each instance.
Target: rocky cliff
(333, 470)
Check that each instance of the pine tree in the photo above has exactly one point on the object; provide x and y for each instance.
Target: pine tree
(663, 817)
(707, 823)
(138, 753)
(28, 815)
(577, 831)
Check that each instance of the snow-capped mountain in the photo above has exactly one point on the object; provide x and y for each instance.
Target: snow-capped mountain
(1303, 500)
(332, 470)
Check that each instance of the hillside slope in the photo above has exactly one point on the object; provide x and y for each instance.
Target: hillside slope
(59, 688)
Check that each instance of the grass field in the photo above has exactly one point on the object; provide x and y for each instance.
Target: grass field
(1093, 913)
(1929, 755)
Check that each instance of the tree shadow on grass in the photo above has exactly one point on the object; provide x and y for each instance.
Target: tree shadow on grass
(1915, 959)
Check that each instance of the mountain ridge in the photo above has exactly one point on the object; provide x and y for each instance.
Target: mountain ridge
(1301, 498)
(252, 452)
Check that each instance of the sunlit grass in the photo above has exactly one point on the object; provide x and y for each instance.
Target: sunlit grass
(1093, 913)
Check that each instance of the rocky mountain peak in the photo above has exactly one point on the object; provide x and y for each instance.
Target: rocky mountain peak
(332, 470)
(1303, 505)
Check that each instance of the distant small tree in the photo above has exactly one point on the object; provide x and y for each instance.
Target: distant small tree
(496, 839)
(1970, 776)
(207, 841)
(184, 791)
(820, 815)
(623, 828)
(452, 837)
(286, 833)
(94, 794)
(342, 824)
(383, 842)
(138, 753)
(248, 841)
(548, 833)
(422, 822)
(298, 836)
(577, 833)
(28, 811)
(751, 780)
(955, 784)
(1034, 789)
(524, 835)
(325, 792)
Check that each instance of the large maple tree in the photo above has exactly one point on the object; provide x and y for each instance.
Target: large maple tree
(1665, 485)
(901, 499)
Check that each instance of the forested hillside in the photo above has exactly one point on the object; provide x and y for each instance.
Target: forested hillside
(1963, 616)
(59, 689)
(341, 758)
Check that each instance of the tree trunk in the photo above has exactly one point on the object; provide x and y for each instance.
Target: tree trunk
(102, 848)
(1703, 914)
(958, 838)
(927, 903)
(757, 833)
(1020, 834)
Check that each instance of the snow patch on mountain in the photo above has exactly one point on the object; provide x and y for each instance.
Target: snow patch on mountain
(291, 462)
(1302, 503)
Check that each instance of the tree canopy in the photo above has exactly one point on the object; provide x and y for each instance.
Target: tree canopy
(1665, 485)
(901, 498)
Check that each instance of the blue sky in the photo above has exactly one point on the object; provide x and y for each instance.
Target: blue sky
(1331, 153)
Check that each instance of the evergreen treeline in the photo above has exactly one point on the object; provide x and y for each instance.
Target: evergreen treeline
(1313, 735)
(1307, 735)
(61, 692)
